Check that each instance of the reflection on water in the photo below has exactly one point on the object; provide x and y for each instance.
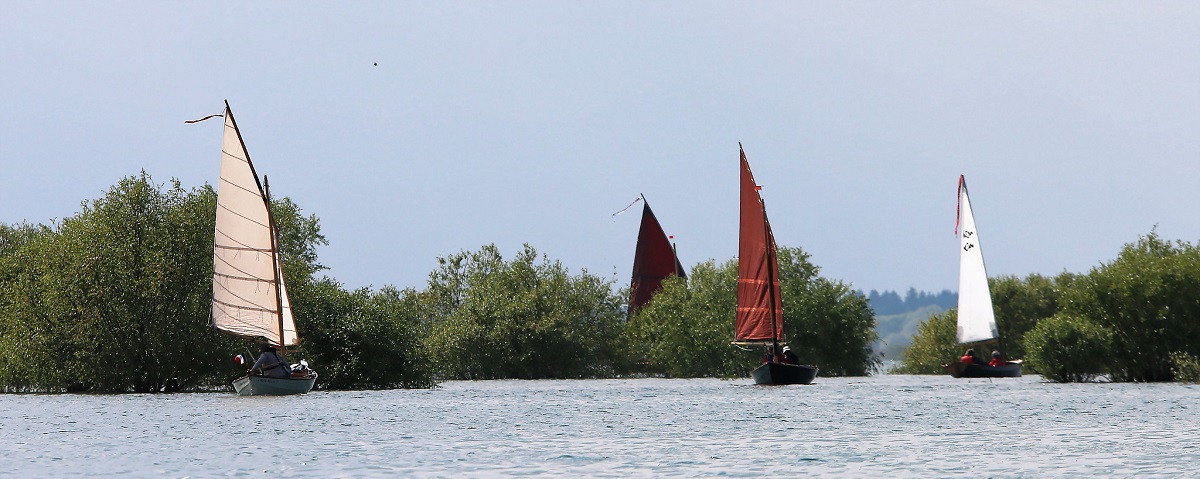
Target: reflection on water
(878, 426)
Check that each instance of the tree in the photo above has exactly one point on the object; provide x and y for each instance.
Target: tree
(1069, 348)
(1149, 298)
(360, 339)
(686, 329)
(827, 323)
(934, 345)
(527, 319)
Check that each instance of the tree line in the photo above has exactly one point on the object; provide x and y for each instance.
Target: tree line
(889, 302)
(1134, 319)
(116, 298)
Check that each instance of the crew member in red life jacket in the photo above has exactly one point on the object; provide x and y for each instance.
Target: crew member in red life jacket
(789, 357)
(770, 357)
(970, 358)
(997, 359)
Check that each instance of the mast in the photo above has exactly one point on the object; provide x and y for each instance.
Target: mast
(275, 259)
(771, 260)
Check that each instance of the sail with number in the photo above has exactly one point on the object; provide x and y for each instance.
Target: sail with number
(976, 318)
(249, 295)
(653, 260)
(759, 307)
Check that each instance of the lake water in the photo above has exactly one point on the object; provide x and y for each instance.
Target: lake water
(884, 426)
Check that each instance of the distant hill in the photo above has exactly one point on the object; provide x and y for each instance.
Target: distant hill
(896, 318)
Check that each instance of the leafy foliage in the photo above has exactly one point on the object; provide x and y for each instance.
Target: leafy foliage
(1069, 348)
(363, 340)
(117, 298)
(1018, 303)
(686, 329)
(490, 318)
(933, 345)
(1149, 298)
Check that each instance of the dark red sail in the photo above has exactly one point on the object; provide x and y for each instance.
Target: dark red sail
(759, 308)
(653, 261)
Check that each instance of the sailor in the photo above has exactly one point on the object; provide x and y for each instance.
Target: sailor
(789, 357)
(969, 358)
(997, 359)
(272, 364)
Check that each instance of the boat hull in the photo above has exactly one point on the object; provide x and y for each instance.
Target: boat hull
(780, 374)
(265, 386)
(1012, 369)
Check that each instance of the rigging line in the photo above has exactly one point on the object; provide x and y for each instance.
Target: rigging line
(256, 192)
(205, 118)
(231, 155)
(245, 248)
(243, 244)
(614, 215)
(240, 278)
(247, 218)
(243, 308)
(240, 270)
(247, 301)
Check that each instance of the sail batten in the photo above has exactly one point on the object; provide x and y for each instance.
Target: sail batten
(976, 318)
(249, 297)
(759, 306)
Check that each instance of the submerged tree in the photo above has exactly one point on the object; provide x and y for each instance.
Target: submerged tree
(686, 329)
(360, 339)
(526, 318)
(117, 298)
(1149, 299)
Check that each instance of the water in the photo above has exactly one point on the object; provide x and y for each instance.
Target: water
(894, 426)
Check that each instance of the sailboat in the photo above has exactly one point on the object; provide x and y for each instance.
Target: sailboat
(976, 318)
(249, 295)
(759, 318)
(654, 260)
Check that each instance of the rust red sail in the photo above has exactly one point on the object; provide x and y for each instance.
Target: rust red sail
(759, 308)
(653, 261)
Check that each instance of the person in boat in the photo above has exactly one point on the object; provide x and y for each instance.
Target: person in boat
(271, 364)
(770, 356)
(997, 359)
(970, 358)
(789, 357)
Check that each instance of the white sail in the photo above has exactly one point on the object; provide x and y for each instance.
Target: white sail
(246, 301)
(976, 319)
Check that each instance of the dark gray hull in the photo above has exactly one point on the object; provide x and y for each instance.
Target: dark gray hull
(1012, 369)
(780, 374)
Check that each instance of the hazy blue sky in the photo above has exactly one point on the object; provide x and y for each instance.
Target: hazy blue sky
(1077, 124)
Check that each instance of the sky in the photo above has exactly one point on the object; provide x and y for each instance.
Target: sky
(415, 130)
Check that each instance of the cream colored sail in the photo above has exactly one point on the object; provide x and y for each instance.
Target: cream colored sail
(976, 319)
(246, 301)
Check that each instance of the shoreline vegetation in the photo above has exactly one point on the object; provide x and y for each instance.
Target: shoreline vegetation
(116, 299)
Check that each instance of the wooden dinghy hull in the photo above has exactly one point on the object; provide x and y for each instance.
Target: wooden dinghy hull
(1012, 369)
(265, 386)
(781, 374)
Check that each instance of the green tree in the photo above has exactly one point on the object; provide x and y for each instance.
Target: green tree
(1018, 303)
(934, 345)
(827, 323)
(1069, 348)
(686, 329)
(1149, 298)
(360, 339)
(524, 318)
